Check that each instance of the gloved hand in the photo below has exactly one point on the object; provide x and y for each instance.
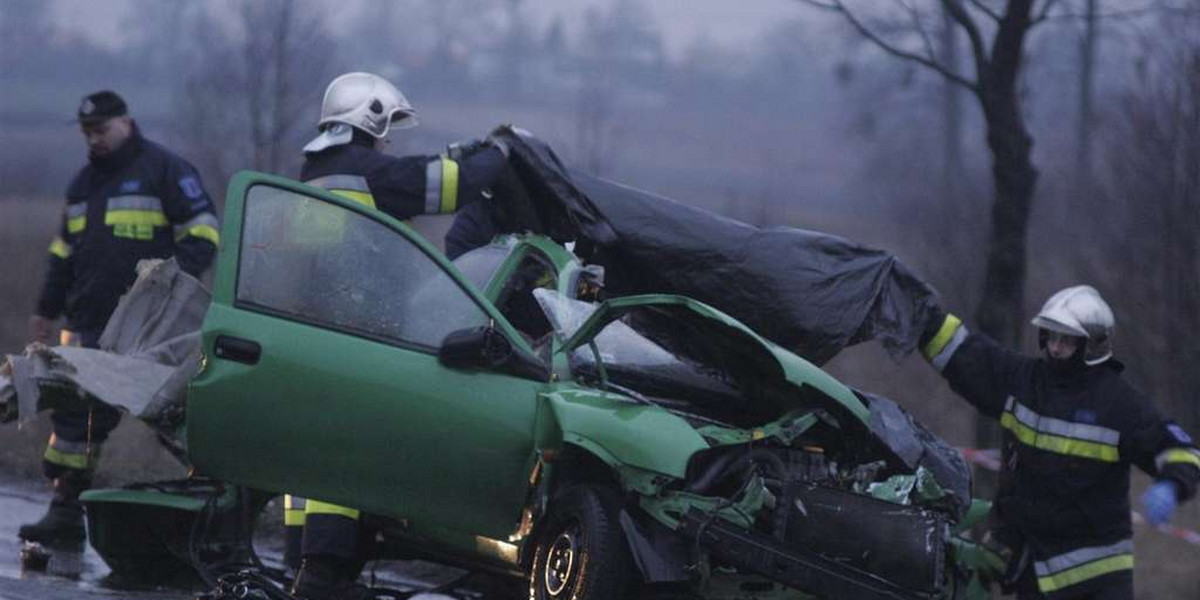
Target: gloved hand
(39, 329)
(458, 150)
(1160, 501)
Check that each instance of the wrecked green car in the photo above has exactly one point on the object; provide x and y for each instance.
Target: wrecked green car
(495, 413)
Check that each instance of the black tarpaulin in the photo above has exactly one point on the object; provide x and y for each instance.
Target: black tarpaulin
(810, 292)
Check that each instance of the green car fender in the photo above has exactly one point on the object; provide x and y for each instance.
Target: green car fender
(644, 445)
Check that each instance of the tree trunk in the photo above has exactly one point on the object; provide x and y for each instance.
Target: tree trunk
(277, 112)
(1000, 311)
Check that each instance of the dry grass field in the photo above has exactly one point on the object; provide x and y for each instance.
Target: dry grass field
(1166, 567)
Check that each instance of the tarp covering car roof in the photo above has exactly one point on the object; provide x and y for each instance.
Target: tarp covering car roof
(811, 292)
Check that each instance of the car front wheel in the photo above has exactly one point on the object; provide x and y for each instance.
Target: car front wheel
(581, 551)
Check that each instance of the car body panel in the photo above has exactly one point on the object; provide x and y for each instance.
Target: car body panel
(463, 453)
(623, 433)
(357, 421)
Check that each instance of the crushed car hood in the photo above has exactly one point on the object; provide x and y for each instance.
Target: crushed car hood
(706, 336)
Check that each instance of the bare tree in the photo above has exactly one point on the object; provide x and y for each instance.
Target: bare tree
(252, 97)
(994, 83)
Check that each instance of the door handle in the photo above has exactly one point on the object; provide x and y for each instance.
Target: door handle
(237, 349)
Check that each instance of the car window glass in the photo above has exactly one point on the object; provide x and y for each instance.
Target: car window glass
(316, 262)
(480, 265)
(634, 357)
(617, 342)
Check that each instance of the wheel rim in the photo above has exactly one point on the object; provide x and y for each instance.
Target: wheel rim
(561, 561)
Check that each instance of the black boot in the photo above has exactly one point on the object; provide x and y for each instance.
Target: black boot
(63, 521)
(324, 577)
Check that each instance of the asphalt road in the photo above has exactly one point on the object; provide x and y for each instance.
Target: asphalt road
(83, 575)
(70, 575)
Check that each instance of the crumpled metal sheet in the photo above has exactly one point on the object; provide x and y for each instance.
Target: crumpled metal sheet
(919, 449)
(148, 351)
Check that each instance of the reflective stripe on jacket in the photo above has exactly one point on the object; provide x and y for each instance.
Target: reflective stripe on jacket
(1069, 440)
(140, 202)
(403, 187)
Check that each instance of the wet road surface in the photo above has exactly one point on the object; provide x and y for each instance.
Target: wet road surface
(83, 575)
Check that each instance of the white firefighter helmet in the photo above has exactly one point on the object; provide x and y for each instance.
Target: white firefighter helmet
(1080, 311)
(363, 101)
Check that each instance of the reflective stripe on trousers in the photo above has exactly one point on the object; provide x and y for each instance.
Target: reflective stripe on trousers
(293, 510)
(316, 507)
(72, 455)
(1077, 566)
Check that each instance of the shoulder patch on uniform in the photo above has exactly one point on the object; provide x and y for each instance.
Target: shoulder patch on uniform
(1179, 434)
(190, 186)
(130, 186)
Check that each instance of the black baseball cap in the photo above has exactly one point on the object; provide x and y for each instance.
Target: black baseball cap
(100, 107)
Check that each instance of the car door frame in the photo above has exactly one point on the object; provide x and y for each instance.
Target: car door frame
(225, 299)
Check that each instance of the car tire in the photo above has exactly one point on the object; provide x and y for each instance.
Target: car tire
(581, 551)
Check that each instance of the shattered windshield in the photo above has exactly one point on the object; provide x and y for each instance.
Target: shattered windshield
(638, 352)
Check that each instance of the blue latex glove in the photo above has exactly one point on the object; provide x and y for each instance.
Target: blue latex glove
(1160, 501)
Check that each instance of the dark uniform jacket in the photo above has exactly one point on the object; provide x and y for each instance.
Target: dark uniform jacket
(140, 202)
(474, 226)
(1069, 438)
(403, 187)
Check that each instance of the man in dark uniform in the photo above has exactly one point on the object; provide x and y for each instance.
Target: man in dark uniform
(474, 226)
(357, 113)
(1073, 426)
(133, 200)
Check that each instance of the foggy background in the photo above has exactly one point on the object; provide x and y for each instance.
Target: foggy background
(769, 111)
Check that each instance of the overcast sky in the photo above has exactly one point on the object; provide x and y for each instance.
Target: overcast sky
(728, 23)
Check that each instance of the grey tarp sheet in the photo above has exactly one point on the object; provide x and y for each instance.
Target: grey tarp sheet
(810, 292)
(148, 351)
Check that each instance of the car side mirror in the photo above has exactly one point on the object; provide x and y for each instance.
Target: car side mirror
(476, 347)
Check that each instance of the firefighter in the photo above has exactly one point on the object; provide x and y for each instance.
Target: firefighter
(357, 114)
(1072, 428)
(473, 227)
(133, 200)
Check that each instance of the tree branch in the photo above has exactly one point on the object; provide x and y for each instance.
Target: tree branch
(978, 51)
(823, 5)
(926, 61)
(1128, 13)
(919, 24)
(1044, 13)
(985, 9)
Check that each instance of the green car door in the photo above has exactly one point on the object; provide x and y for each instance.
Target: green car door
(321, 375)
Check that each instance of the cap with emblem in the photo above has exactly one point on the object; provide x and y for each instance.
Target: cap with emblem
(101, 106)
